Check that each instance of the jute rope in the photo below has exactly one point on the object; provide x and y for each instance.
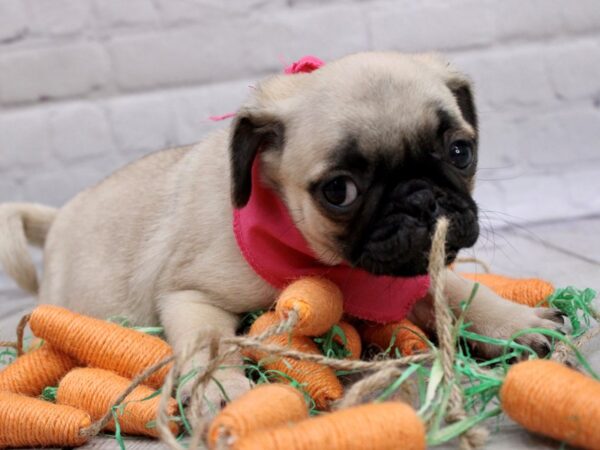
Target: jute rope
(444, 324)
(564, 353)
(18, 345)
(9, 344)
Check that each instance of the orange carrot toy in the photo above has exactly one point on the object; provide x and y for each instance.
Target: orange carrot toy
(405, 335)
(320, 381)
(527, 291)
(96, 343)
(265, 406)
(317, 301)
(30, 373)
(353, 341)
(29, 422)
(548, 398)
(381, 426)
(95, 391)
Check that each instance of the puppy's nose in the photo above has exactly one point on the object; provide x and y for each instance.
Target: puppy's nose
(422, 202)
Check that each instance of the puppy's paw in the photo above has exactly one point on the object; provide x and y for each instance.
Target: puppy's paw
(511, 318)
(226, 385)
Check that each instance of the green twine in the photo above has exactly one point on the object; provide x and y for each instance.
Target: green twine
(7, 356)
(49, 393)
(330, 347)
(577, 305)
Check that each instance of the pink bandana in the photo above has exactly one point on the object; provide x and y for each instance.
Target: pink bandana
(278, 253)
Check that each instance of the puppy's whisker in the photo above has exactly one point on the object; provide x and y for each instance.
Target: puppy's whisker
(497, 235)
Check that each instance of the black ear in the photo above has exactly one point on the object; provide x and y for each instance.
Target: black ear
(464, 97)
(249, 136)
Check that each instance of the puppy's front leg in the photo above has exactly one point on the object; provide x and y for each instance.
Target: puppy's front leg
(188, 316)
(491, 315)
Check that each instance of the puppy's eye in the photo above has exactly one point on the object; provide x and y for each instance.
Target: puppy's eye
(340, 191)
(461, 154)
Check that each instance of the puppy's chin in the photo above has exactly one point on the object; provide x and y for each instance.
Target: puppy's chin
(398, 240)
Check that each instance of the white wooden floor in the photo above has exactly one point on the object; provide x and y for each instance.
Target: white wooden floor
(566, 253)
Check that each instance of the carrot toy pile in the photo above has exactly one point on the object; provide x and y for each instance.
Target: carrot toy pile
(298, 354)
(85, 396)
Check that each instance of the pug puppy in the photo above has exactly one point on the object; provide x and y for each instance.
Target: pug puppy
(366, 153)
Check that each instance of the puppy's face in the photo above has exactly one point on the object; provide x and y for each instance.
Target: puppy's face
(367, 152)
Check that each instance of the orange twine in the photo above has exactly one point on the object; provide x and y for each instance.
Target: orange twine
(548, 398)
(319, 381)
(526, 291)
(381, 426)
(37, 423)
(267, 405)
(318, 302)
(31, 372)
(353, 342)
(97, 343)
(96, 390)
(406, 336)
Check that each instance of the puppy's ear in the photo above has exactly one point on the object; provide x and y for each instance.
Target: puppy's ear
(462, 90)
(459, 84)
(259, 127)
(252, 132)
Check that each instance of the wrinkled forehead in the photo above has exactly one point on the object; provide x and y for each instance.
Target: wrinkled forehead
(378, 113)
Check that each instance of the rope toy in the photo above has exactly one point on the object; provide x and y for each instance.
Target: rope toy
(96, 343)
(317, 301)
(95, 391)
(319, 381)
(403, 336)
(526, 291)
(353, 341)
(548, 398)
(234, 421)
(382, 426)
(32, 372)
(39, 423)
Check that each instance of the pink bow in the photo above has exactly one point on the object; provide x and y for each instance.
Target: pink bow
(306, 64)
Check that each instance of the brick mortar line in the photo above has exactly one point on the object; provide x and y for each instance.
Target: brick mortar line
(102, 36)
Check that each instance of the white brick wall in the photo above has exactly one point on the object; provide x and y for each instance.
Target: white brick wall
(87, 85)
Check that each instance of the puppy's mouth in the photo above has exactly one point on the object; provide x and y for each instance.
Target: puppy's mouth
(397, 240)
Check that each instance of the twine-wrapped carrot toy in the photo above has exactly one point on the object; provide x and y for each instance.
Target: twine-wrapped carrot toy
(258, 421)
(548, 398)
(527, 291)
(95, 391)
(29, 422)
(403, 336)
(317, 302)
(352, 339)
(382, 426)
(35, 370)
(96, 343)
(271, 405)
(319, 381)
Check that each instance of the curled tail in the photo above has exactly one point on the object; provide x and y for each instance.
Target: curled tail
(20, 224)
